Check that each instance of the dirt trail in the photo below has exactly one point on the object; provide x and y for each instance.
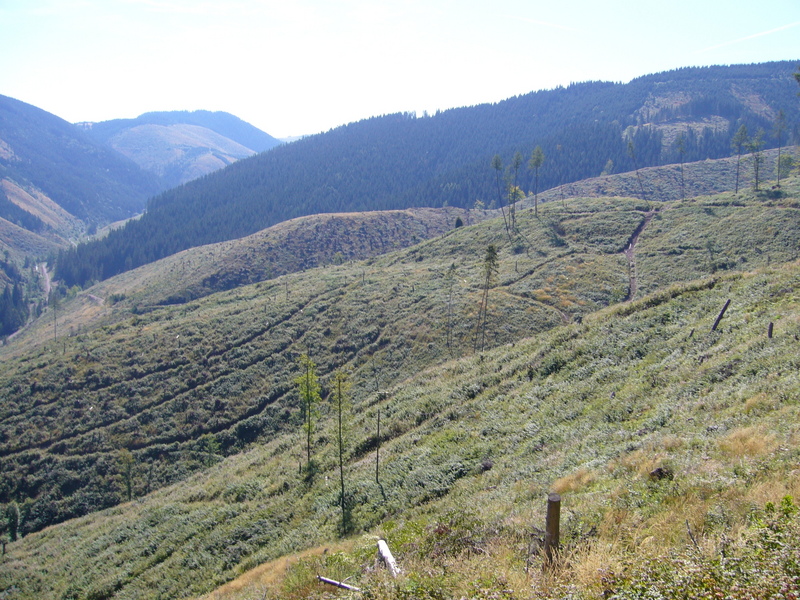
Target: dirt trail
(630, 253)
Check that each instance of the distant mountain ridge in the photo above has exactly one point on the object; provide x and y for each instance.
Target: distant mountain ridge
(225, 124)
(401, 161)
(179, 146)
(87, 179)
(59, 182)
(56, 182)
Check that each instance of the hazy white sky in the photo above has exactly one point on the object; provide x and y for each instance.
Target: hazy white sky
(300, 67)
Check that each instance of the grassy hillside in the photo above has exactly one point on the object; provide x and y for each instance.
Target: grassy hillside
(147, 398)
(307, 242)
(469, 450)
(221, 123)
(289, 247)
(178, 153)
(51, 226)
(700, 178)
(127, 373)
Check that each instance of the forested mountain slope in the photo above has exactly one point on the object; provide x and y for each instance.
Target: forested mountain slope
(671, 441)
(405, 160)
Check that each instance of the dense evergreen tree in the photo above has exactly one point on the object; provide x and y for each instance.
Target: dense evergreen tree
(13, 309)
(13, 304)
(12, 520)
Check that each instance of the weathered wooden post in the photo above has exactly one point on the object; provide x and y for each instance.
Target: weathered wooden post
(769, 330)
(552, 524)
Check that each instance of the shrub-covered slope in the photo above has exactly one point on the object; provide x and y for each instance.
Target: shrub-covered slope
(289, 247)
(155, 382)
(660, 434)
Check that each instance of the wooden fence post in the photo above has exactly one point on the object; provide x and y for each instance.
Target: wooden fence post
(552, 524)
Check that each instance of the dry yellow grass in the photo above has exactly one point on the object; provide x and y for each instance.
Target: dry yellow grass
(574, 481)
(748, 441)
(759, 402)
(269, 575)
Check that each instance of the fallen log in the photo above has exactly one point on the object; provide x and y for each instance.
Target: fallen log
(388, 559)
(338, 584)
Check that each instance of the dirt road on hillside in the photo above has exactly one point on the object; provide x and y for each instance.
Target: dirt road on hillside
(630, 254)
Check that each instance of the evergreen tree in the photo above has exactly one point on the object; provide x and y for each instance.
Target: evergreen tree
(680, 144)
(490, 269)
(516, 163)
(780, 127)
(450, 278)
(12, 519)
(754, 146)
(341, 387)
(535, 163)
(308, 389)
(632, 154)
(497, 165)
(738, 143)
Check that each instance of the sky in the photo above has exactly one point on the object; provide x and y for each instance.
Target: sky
(298, 67)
